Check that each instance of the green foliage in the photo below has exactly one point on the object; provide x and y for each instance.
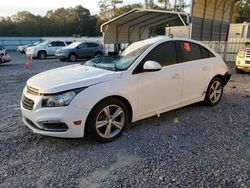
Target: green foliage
(241, 11)
(60, 22)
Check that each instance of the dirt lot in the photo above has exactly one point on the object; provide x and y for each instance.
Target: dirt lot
(196, 146)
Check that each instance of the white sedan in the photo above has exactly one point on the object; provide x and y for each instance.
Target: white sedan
(103, 95)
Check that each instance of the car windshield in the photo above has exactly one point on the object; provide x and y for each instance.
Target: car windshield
(73, 45)
(44, 43)
(36, 43)
(121, 62)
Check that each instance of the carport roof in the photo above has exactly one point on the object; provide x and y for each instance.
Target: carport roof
(139, 19)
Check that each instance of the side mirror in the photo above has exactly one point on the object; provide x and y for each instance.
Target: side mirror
(49, 45)
(151, 66)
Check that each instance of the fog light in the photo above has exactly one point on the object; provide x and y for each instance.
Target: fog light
(77, 122)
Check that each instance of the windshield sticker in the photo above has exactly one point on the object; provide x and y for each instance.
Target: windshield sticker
(186, 47)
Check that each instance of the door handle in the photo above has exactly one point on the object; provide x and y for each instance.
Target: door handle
(176, 76)
(205, 68)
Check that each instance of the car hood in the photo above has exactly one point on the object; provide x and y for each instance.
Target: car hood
(70, 77)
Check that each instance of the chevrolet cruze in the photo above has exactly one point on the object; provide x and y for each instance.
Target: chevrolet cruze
(103, 95)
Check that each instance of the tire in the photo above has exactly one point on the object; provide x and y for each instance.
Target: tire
(72, 57)
(109, 128)
(42, 55)
(214, 92)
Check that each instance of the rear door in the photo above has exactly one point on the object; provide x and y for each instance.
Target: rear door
(92, 49)
(197, 66)
(53, 46)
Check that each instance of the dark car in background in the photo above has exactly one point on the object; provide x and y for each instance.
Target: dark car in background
(4, 56)
(80, 50)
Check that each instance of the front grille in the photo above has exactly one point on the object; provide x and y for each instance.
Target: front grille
(32, 91)
(27, 103)
(247, 62)
(247, 53)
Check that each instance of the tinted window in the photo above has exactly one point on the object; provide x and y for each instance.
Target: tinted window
(83, 45)
(68, 43)
(60, 43)
(53, 43)
(164, 53)
(206, 53)
(189, 51)
(92, 45)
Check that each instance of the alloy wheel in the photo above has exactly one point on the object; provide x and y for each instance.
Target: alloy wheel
(215, 91)
(110, 121)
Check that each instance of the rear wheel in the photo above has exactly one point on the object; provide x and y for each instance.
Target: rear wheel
(108, 120)
(72, 57)
(214, 91)
(42, 55)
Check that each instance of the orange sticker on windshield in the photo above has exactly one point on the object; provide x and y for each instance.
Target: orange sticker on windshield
(187, 47)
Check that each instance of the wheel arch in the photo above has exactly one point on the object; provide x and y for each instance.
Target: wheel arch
(123, 99)
(42, 51)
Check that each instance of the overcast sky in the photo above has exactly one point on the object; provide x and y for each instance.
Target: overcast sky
(10, 7)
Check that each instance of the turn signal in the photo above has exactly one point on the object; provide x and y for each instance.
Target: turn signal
(77, 122)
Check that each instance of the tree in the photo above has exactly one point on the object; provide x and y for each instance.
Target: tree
(166, 5)
(149, 4)
(241, 12)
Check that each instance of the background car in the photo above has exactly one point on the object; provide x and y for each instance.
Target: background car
(22, 49)
(104, 94)
(80, 50)
(242, 63)
(46, 48)
(4, 56)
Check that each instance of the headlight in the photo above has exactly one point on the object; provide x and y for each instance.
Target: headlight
(61, 99)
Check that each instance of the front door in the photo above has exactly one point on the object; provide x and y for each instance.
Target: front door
(161, 89)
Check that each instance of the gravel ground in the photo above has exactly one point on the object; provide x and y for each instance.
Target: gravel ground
(195, 146)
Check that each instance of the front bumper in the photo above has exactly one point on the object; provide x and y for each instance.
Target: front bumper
(56, 122)
(244, 66)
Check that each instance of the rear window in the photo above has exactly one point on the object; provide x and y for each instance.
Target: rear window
(189, 51)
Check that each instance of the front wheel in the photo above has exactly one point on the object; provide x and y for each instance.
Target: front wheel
(214, 91)
(42, 55)
(72, 57)
(108, 120)
(237, 70)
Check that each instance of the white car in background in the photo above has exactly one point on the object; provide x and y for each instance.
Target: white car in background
(103, 95)
(4, 56)
(242, 63)
(23, 48)
(46, 48)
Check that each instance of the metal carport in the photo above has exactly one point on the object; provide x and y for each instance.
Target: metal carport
(211, 19)
(138, 24)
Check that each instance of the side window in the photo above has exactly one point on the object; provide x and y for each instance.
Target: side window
(91, 45)
(60, 43)
(206, 53)
(164, 53)
(189, 51)
(83, 45)
(53, 44)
